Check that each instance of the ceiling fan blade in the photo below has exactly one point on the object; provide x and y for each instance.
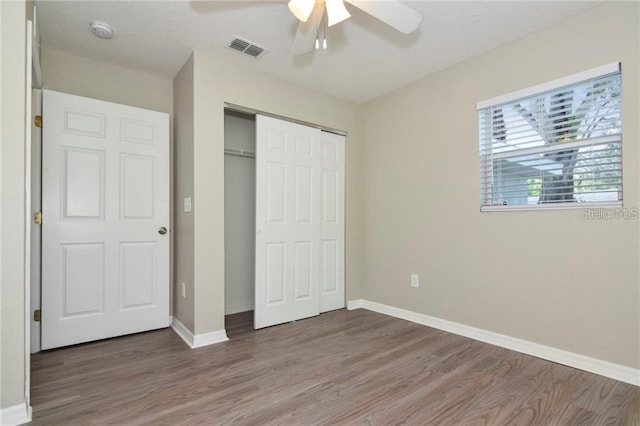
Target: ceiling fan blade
(391, 12)
(306, 33)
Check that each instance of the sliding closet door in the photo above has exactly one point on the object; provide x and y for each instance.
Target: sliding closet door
(288, 212)
(332, 223)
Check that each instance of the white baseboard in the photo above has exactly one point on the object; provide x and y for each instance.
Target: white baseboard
(571, 359)
(355, 304)
(211, 338)
(197, 340)
(182, 331)
(235, 308)
(15, 415)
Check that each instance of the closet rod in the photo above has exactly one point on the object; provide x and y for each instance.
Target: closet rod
(240, 152)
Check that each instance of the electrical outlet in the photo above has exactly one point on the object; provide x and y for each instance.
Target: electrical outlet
(183, 290)
(415, 281)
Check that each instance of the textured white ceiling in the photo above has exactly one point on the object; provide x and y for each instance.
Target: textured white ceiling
(365, 58)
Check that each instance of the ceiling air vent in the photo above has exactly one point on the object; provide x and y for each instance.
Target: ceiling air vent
(247, 47)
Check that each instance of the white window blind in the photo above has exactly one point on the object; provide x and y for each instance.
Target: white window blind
(557, 147)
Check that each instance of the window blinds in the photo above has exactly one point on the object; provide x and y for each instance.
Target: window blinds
(559, 145)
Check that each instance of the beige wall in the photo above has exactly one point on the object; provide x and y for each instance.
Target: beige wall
(183, 187)
(64, 72)
(12, 214)
(549, 277)
(219, 82)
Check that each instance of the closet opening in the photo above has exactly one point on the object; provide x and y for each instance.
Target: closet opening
(284, 221)
(239, 220)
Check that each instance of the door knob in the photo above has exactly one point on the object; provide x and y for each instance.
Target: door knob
(162, 230)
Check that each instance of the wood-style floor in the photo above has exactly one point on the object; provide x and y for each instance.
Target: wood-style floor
(343, 367)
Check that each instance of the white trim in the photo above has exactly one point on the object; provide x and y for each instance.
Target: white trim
(15, 415)
(27, 214)
(591, 205)
(571, 359)
(35, 260)
(35, 51)
(197, 340)
(600, 71)
(235, 308)
(355, 304)
(182, 331)
(251, 111)
(211, 338)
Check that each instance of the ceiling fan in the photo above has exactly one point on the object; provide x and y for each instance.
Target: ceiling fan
(310, 13)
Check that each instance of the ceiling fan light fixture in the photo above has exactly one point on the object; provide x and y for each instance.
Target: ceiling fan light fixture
(336, 12)
(301, 9)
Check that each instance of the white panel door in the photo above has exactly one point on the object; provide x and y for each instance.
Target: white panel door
(105, 183)
(332, 222)
(288, 211)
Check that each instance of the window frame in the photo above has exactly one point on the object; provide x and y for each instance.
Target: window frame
(603, 71)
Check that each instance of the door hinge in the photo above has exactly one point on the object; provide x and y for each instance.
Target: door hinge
(37, 218)
(38, 121)
(37, 315)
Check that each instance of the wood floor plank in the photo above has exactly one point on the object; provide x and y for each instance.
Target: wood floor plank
(343, 367)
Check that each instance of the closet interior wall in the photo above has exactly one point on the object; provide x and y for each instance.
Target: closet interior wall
(239, 210)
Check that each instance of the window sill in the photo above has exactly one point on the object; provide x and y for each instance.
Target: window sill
(547, 207)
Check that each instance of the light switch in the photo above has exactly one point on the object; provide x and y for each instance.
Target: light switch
(187, 204)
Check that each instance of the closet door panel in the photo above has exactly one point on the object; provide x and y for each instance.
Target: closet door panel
(288, 211)
(332, 227)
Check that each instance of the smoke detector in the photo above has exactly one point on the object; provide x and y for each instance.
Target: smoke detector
(101, 29)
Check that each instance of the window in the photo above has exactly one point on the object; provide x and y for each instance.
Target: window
(556, 145)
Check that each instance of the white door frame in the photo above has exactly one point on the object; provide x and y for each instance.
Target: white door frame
(33, 182)
(35, 198)
(31, 109)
